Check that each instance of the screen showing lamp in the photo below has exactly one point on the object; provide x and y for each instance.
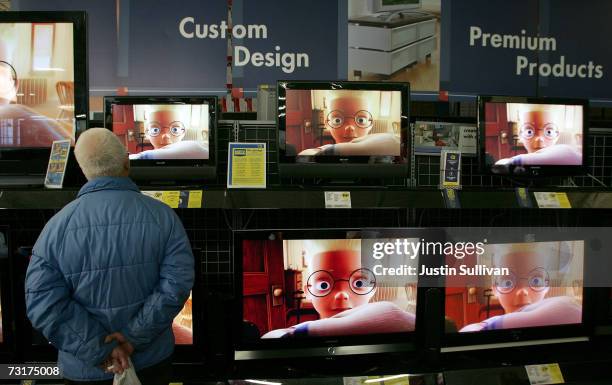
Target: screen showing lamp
(343, 123)
(537, 284)
(36, 84)
(329, 291)
(520, 135)
(163, 131)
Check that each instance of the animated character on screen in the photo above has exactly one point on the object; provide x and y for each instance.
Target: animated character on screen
(350, 119)
(340, 290)
(23, 126)
(525, 293)
(165, 128)
(540, 128)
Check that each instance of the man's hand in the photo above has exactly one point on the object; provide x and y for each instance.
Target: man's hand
(122, 341)
(117, 361)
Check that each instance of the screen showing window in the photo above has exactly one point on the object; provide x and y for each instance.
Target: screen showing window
(526, 285)
(36, 84)
(343, 123)
(322, 288)
(526, 134)
(163, 131)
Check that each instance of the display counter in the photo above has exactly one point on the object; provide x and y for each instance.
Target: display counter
(314, 198)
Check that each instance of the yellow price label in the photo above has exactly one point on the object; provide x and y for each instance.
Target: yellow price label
(195, 199)
(544, 374)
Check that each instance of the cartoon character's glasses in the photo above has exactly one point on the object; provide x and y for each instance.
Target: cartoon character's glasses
(322, 282)
(538, 280)
(175, 128)
(336, 119)
(549, 131)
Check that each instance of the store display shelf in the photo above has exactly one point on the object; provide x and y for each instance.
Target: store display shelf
(361, 198)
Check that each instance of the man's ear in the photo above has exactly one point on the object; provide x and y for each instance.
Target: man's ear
(126, 165)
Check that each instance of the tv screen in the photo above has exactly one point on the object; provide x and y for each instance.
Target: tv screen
(523, 136)
(36, 84)
(163, 131)
(314, 289)
(322, 124)
(166, 137)
(182, 327)
(43, 86)
(354, 122)
(523, 285)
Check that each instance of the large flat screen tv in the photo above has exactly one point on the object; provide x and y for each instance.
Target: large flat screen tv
(519, 290)
(43, 86)
(168, 139)
(341, 130)
(327, 292)
(523, 136)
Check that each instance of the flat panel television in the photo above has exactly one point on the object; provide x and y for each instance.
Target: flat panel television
(43, 86)
(533, 136)
(518, 291)
(167, 138)
(343, 129)
(326, 292)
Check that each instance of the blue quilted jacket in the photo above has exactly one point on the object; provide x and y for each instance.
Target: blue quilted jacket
(112, 260)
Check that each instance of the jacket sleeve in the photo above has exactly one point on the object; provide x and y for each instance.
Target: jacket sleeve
(63, 321)
(175, 281)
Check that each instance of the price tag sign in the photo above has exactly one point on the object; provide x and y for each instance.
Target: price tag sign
(337, 199)
(171, 198)
(246, 165)
(552, 200)
(450, 169)
(544, 374)
(56, 169)
(195, 199)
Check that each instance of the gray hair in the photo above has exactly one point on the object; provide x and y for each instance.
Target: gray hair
(100, 153)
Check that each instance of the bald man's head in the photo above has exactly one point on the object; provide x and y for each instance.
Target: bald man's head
(100, 153)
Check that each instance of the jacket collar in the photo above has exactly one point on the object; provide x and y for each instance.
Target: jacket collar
(108, 183)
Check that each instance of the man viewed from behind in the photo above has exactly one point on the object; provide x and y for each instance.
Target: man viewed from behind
(109, 273)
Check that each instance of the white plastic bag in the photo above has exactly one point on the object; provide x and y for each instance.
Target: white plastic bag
(128, 377)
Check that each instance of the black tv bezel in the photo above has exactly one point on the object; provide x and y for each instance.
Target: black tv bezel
(358, 166)
(33, 160)
(534, 171)
(528, 336)
(328, 348)
(167, 169)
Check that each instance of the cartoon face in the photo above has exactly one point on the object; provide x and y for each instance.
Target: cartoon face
(349, 118)
(336, 282)
(527, 283)
(164, 127)
(538, 129)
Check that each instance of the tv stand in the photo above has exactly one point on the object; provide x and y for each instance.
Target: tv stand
(385, 44)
